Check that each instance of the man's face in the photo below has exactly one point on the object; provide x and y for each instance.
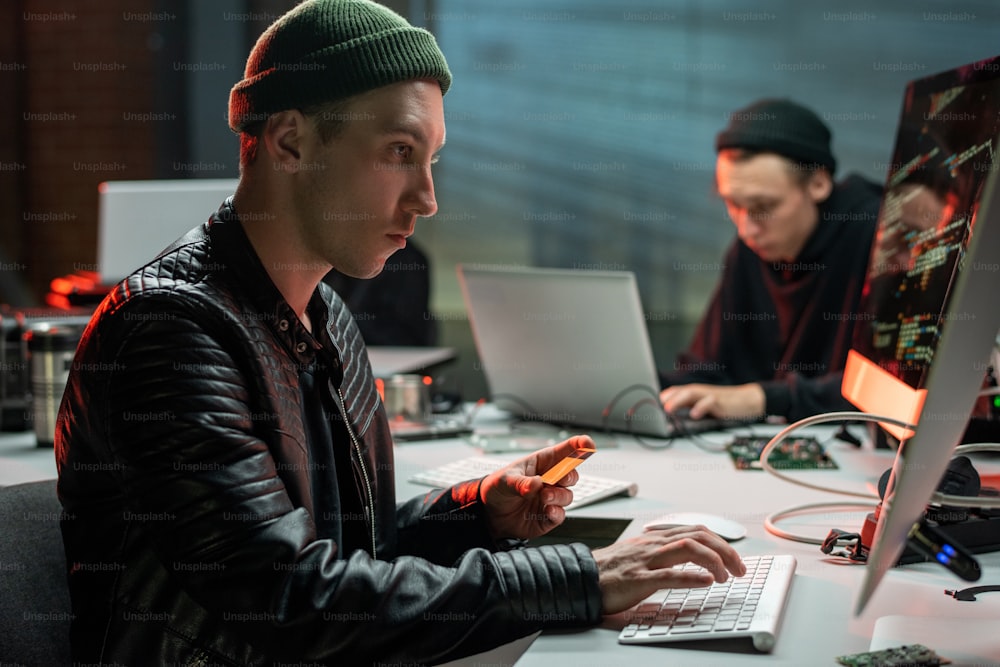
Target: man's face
(362, 191)
(914, 218)
(774, 213)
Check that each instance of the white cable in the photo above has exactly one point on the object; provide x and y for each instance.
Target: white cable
(771, 520)
(822, 419)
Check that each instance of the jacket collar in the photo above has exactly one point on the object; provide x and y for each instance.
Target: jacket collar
(231, 245)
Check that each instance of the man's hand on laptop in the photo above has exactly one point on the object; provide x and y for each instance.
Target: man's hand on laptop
(519, 504)
(719, 401)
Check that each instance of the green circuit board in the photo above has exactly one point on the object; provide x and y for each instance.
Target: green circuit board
(802, 453)
(912, 655)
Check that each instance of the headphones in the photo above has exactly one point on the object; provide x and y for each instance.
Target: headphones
(960, 479)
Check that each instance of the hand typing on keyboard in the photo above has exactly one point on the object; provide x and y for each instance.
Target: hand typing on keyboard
(632, 569)
(750, 606)
(707, 400)
(519, 504)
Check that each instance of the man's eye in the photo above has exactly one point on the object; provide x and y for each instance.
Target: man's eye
(402, 151)
(762, 211)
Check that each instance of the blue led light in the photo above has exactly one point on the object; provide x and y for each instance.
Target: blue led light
(948, 549)
(942, 558)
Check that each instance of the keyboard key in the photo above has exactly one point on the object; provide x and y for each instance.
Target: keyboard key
(750, 606)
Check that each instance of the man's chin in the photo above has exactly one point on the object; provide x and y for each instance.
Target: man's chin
(373, 272)
(764, 254)
(364, 273)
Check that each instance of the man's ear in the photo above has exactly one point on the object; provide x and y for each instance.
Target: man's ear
(819, 186)
(284, 136)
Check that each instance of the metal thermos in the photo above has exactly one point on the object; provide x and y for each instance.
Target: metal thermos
(407, 398)
(51, 347)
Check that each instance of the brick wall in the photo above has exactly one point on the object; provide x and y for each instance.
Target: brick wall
(83, 92)
(93, 92)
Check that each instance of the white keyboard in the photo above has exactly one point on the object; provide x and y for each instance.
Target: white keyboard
(588, 489)
(748, 606)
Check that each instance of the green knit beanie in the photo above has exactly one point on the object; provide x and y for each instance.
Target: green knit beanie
(325, 50)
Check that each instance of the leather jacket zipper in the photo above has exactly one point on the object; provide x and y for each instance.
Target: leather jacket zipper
(364, 468)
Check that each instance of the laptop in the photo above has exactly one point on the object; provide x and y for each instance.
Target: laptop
(567, 346)
(137, 219)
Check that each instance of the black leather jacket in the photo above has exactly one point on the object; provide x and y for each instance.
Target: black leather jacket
(186, 480)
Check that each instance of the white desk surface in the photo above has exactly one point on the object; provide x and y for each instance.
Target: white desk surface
(818, 625)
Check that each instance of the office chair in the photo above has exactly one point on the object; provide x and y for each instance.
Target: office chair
(35, 608)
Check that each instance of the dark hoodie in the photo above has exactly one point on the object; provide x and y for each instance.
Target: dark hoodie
(788, 326)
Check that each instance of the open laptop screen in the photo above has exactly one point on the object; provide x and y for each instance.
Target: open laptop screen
(565, 346)
(138, 219)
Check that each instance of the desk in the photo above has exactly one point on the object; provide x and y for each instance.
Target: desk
(818, 624)
(21, 461)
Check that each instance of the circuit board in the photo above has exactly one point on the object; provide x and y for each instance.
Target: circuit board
(802, 453)
(912, 655)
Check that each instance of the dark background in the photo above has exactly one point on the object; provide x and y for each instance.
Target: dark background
(579, 133)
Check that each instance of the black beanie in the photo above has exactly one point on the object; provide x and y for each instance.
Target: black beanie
(782, 127)
(325, 50)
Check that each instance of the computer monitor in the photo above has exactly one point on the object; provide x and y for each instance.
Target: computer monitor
(929, 314)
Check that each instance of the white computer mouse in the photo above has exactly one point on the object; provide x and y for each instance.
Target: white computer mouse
(727, 529)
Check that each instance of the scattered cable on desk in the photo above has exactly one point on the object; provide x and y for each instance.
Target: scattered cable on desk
(667, 442)
(630, 413)
(939, 498)
(969, 594)
(770, 522)
(696, 438)
(680, 430)
(822, 419)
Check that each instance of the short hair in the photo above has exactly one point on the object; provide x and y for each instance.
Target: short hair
(329, 117)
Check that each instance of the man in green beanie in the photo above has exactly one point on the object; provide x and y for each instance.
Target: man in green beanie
(228, 480)
(774, 338)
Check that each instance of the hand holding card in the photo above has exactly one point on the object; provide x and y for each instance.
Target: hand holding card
(528, 497)
(561, 469)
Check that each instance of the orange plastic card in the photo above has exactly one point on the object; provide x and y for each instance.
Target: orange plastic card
(561, 469)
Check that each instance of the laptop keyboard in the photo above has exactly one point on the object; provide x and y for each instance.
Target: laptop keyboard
(681, 424)
(750, 606)
(589, 489)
